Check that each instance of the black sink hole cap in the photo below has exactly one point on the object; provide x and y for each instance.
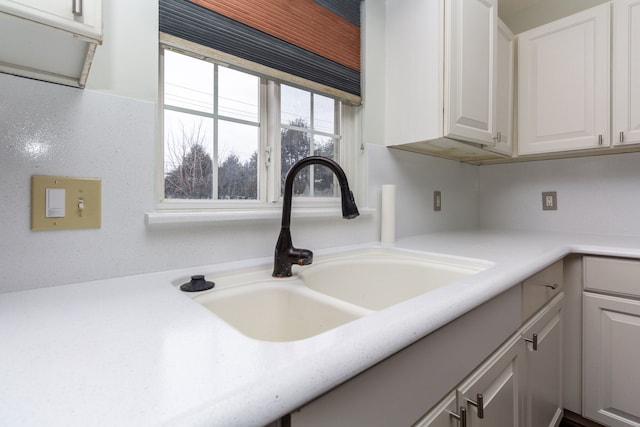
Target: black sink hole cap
(197, 284)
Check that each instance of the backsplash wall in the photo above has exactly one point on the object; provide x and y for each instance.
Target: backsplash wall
(47, 129)
(597, 194)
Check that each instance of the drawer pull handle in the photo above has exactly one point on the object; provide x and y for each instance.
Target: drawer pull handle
(479, 403)
(552, 285)
(534, 341)
(462, 418)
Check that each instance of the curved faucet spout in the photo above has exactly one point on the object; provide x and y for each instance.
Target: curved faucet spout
(285, 253)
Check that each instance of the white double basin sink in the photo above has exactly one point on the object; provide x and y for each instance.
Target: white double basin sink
(331, 292)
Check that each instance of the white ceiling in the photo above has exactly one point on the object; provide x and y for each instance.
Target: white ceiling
(521, 15)
(509, 7)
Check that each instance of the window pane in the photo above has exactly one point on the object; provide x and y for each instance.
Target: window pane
(188, 152)
(295, 106)
(324, 114)
(237, 160)
(323, 182)
(295, 145)
(324, 146)
(188, 82)
(324, 179)
(238, 94)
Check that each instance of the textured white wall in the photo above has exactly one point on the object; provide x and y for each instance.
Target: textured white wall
(595, 195)
(127, 62)
(416, 177)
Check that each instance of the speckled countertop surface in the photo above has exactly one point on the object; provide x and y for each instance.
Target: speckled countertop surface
(136, 351)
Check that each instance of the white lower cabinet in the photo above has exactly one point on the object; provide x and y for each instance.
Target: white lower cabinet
(519, 385)
(445, 414)
(611, 379)
(543, 392)
(611, 341)
(490, 396)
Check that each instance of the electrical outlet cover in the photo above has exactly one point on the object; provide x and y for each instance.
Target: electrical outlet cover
(437, 201)
(549, 201)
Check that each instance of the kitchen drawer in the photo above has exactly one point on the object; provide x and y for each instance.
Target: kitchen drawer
(616, 275)
(538, 289)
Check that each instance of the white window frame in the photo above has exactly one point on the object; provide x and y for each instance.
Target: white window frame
(350, 151)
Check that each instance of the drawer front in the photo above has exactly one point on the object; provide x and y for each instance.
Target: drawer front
(538, 289)
(616, 275)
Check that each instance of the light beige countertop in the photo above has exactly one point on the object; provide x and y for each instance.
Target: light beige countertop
(136, 351)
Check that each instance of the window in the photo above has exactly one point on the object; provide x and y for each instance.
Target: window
(211, 130)
(231, 135)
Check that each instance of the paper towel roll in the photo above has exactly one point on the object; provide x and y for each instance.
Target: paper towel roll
(388, 215)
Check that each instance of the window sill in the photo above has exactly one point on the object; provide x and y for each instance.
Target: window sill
(154, 219)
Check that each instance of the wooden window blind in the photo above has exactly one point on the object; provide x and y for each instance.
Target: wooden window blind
(303, 38)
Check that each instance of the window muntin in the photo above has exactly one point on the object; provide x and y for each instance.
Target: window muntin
(216, 115)
(188, 154)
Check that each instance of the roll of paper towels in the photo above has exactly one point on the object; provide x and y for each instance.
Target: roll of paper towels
(388, 215)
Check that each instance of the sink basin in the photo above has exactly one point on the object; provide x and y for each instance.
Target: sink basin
(335, 290)
(279, 311)
(379, 279)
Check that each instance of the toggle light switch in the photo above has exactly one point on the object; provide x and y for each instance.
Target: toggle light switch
(54, 203)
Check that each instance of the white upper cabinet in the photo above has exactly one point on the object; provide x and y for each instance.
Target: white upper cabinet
(626, 72)
(470, 70)
(563, 84)
(441, 77)
(503, 139)
(81, 17)
(51, 40)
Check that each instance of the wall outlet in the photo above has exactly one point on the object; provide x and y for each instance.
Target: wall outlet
(549, 201)
(437, 201)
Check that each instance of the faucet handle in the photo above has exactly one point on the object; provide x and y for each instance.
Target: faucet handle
(304, 256)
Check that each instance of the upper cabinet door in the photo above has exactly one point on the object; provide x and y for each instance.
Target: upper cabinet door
(82, 17)
(503, 139)
(626, 72)
(51, 40)
(563, 84)
(470, 101)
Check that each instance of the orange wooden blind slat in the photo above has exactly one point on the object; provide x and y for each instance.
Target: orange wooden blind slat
(303, 23)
